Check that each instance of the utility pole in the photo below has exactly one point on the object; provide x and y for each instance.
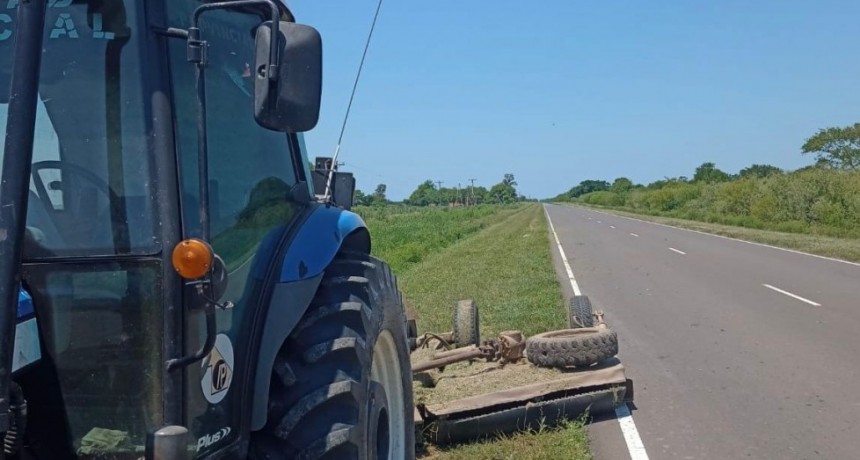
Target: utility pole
(472, 192)
(439, 184)
(458, 194)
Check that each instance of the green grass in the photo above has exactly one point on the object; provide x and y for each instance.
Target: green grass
(506, 269)
(501, 258)
(840, 248)
(404, 236)
(567, 441)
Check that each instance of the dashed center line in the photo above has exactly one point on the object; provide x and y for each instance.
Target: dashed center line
(679, 252)
(611, 226)
(794, 296)
(599, 222)
(832, 259)
(633, 234)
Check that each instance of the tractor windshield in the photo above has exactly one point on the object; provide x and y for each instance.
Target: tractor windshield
(90, 232)
(90, 188)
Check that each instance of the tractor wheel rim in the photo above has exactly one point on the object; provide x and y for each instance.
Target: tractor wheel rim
(385, 370)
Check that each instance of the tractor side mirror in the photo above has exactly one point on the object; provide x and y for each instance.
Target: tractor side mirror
(287, 97)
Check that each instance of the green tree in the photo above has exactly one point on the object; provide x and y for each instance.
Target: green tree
(362, 199)
(378, 196)
(588, 186)
(424, 195)
(447, 195)
(621, 185)
(505, 191)
(501, 194)
(837, 147)
(658, 184)
(482, 195)
(709, 173)
(757, 170)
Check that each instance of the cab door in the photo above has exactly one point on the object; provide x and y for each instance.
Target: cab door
(252, 171)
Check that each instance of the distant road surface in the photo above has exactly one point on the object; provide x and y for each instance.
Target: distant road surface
(736, 350)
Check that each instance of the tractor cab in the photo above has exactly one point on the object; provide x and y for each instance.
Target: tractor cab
(153, 174)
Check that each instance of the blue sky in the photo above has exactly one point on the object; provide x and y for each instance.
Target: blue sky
(557, 92)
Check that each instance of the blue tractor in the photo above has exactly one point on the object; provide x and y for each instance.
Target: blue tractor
(171, 284)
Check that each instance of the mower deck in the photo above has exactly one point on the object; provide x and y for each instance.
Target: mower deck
(558, 396)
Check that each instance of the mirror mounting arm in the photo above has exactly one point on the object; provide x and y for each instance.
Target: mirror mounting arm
(196, 53)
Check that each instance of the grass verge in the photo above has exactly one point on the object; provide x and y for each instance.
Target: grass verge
(567, 441)
(403, 236)
(840, 248)
(506, 268)
(504, 263)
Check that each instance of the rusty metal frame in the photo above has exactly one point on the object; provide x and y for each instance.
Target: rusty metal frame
(508, 347)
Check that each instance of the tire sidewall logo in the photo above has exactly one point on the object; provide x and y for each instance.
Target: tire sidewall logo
(217, 370)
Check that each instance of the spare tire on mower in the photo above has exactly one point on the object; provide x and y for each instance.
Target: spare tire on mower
(466, 324)
(572, 347)
(580, 313)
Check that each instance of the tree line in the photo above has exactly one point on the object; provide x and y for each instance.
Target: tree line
(430, 193)
(821, 198)
(707, 173)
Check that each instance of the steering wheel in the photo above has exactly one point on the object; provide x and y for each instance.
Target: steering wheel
(79, 227)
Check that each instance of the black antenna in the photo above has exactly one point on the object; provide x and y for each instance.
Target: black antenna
(327, 194)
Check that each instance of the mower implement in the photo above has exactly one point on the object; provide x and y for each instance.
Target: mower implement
(595, 390)
(582, 375)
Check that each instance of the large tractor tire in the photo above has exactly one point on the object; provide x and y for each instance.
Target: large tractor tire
(342, 386)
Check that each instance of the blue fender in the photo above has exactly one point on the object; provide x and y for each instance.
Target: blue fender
(311, 250)
(319, 239)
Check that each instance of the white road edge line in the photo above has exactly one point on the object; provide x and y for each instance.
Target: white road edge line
(795, 251)
(570, 277)
(631, 434)
(795, 296)
(622, 413)
(633, 234)
(679, 252)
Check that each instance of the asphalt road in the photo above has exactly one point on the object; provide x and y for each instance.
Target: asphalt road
(736, 350)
